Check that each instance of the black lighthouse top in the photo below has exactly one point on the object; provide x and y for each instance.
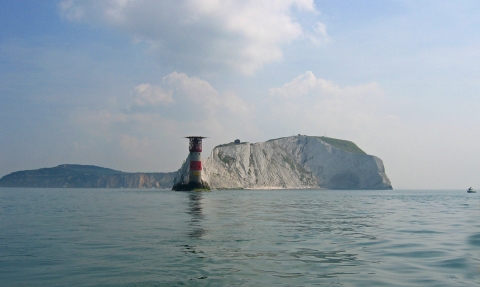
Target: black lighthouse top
(195, 143)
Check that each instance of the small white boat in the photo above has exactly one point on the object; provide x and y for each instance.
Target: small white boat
(471, 190)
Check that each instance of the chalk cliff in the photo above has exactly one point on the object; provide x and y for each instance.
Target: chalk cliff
(86, 176)
(291, 162)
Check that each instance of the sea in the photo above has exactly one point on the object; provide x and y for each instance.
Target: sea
(151, 237)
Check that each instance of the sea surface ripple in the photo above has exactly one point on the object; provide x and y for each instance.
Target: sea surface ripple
(127, 237)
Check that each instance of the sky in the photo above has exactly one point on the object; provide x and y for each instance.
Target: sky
(120, 83)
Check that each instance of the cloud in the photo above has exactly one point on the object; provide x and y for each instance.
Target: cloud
(178, 97)
(71, 10)
(314, 105)
(180, 105)
(319, 35)
(146, 94)
(241, 34)
(151, 124)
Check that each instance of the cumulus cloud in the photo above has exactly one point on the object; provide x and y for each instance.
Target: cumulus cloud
(161, 114)
(180, 105)
(177, 97)
(146, 94)
(241, 34)
(314, 105)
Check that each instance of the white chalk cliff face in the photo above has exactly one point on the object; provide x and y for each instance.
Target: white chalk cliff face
(291, 163)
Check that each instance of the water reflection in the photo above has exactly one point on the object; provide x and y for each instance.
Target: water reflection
(195, 210)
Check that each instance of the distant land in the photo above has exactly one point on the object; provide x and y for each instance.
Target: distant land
(294, 162)
(86, 176)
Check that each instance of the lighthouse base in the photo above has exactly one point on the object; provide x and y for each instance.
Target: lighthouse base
(191, 186)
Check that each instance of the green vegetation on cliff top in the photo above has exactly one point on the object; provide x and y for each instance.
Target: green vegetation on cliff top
(341, 144)
(83, 168)
(68, 170)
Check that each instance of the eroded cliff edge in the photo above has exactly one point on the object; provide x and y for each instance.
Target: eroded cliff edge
(291, 162)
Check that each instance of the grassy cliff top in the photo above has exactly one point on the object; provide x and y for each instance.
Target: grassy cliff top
(230, 144)
(72, 170)
(343, 145)
(87, 169)
(66, 169)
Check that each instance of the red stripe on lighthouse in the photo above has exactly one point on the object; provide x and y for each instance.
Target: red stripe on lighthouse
(195, 165)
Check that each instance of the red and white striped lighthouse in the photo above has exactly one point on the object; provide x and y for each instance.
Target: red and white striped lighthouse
(195, 147)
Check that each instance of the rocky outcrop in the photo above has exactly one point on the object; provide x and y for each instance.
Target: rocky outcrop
(86, 176)
(291, 162)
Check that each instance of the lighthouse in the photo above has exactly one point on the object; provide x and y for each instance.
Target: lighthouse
(195, 148)
(194, 167)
